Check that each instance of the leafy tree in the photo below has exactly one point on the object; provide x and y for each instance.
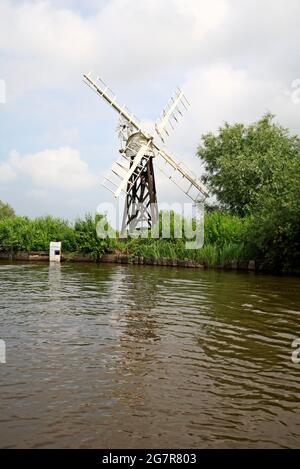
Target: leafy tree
(274, 232)
(6, 211)
(245, 163)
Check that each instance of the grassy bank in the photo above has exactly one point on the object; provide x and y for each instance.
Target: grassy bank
(223, 239)
(223, 243)
(21, 234)
(227, 238)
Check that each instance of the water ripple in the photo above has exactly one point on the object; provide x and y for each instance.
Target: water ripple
(135, 356)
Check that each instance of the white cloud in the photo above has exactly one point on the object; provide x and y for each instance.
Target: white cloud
(42, 45)
(49, 43)
(46, 45)
(237, 60)
(61, 169)
(7, 174)
(62, 34)
(220, 93)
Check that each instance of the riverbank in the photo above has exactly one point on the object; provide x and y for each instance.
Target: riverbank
(225, 246)
(120, 258)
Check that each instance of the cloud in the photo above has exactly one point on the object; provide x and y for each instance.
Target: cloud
(61, 169)
(7, 174)
(42, 45)
(236, 61)
(220, 93)
(56, 33)
(52, 45)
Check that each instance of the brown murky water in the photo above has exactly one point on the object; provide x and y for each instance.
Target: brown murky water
(135, 356)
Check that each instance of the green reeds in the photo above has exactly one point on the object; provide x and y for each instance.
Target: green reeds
(223, 240)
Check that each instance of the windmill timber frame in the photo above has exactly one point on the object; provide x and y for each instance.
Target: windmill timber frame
(133, 173)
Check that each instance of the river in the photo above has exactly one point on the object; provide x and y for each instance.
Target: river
(108, 356)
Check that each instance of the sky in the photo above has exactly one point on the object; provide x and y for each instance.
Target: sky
(234, 59)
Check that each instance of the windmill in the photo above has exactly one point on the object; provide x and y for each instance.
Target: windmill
(133, 172)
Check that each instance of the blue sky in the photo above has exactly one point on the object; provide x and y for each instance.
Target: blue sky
(234, 60)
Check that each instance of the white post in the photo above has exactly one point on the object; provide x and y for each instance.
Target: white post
(55, 251)
(2, 351)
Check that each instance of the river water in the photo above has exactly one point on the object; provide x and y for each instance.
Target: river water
(137, 356)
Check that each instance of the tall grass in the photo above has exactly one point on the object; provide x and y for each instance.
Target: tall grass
(223, 238)
(223, 241)
(23, 234)
(222, 228)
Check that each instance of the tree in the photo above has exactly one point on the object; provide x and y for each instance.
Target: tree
(6, 211)
(274, 231)
(243, 164)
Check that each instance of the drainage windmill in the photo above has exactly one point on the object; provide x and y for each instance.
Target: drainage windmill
(133, 172)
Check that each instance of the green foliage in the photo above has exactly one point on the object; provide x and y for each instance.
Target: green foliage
(45, 229)
(155, 248)
(255, 173)
(207, 255)
(13, 233)
(222, 228)
(231, 252)
(224, 235)
(23, 234)
(86, 237)
(242, 162)
(6, 211)
(274, 231)
(170, 223)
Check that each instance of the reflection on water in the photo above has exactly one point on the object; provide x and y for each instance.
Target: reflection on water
(137, 356)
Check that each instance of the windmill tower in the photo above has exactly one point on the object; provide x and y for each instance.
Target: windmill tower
(133, 172)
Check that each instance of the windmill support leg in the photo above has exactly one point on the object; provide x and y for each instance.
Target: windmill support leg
(141, 211)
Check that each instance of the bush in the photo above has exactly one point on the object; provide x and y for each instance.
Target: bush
(274, 232)
(23, 234)
(86, 238)
(6, 211)
(222, 228)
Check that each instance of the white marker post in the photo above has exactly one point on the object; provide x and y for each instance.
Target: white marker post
(55, 251)
(2, 351)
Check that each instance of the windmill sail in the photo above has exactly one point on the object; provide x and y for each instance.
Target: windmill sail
(181, 176)
(170, 115)
(97, 85)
